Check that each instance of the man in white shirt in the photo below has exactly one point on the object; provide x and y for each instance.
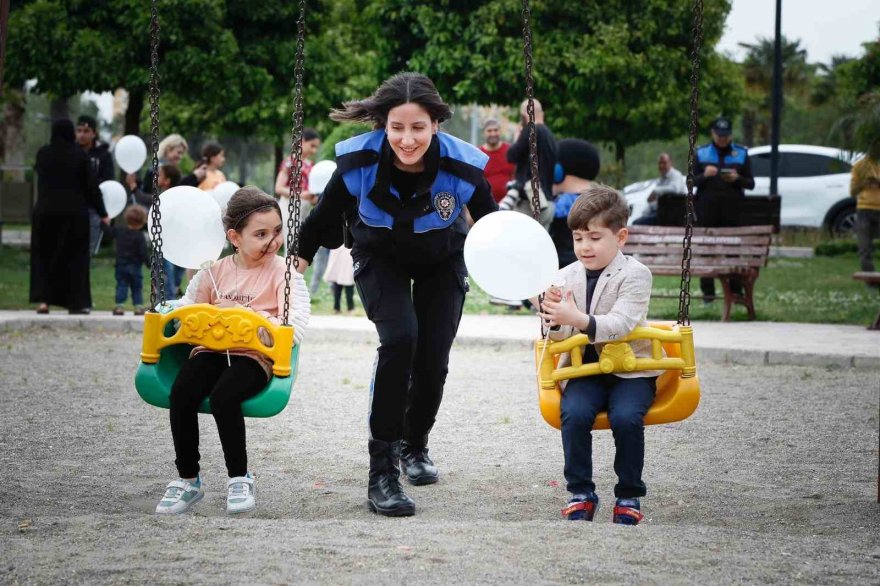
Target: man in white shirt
(671, 181)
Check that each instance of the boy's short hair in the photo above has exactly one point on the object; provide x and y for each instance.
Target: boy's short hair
(172, 174)
(602, 204)
(89, 121)
(135, 215)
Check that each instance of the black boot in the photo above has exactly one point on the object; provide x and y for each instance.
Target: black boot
(384, 494)
(417, 466)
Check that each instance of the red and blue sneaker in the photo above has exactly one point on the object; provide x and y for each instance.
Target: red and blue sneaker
(627, 512)
(581, 507)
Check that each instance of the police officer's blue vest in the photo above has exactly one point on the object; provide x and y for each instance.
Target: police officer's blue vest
(708, 155)
(460, 171)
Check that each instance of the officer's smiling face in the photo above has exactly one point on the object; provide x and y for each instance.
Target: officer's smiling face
(410, 130)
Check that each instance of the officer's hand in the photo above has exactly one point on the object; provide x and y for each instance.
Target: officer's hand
(730, 176)
(302, 265)
(710, 171)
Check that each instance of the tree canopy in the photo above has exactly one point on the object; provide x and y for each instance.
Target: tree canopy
(614, 71)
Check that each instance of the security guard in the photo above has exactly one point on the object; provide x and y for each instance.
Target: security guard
(398, 194)
(722, 173)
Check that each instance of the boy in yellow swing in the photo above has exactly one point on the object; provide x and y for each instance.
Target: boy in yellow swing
(606, 295)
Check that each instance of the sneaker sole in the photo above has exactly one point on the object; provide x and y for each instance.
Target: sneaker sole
(406, 511)
(237, 511)
(169, 510)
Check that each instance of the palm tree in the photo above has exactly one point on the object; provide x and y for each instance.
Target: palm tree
(757, 70)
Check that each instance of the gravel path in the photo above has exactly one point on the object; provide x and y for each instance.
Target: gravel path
(773, 480)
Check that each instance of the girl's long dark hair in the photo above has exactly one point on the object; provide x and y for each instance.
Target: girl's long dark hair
(403, 88)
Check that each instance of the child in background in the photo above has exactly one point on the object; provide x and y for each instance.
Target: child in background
(340, 275)
(607, 297)
(213, 159)
(131, 255)
(253, 278)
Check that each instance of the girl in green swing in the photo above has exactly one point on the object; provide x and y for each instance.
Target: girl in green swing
(606, 296)
(254, 278)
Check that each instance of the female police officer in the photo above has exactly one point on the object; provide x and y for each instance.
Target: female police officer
(398, 194)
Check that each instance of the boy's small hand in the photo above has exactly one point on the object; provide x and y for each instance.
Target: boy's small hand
(561, 313)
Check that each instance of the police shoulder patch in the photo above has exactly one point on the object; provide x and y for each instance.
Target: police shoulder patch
(444, 204)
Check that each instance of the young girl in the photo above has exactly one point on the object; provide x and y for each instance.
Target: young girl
(252, 277)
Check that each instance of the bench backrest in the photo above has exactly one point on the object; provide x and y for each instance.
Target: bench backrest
(741, 247)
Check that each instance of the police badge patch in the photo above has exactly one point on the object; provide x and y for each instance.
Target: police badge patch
(444, 203)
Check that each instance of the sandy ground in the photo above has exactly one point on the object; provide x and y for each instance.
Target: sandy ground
(772, 481)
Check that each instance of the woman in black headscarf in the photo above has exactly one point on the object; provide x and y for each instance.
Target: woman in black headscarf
(67, 188)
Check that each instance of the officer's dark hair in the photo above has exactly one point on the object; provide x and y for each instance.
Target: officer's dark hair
(310, 134)
(211, 149)
(243, 204)
(403, 88)
(601, 204)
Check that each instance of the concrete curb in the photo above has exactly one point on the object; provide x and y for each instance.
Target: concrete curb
(364, 333)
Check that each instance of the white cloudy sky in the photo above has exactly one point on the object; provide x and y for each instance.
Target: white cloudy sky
(824, 27)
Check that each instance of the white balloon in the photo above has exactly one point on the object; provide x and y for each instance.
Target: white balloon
(192, 228)
(114, 196)
(223, 192)
(320, 175)
(510, 256)
(130, 153)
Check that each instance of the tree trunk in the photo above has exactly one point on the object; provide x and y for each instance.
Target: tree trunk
(59, 109)
(620, 153)
(133, 112)
(279, 156)
(13, 143)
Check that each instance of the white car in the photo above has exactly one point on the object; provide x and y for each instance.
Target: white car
(813, 184)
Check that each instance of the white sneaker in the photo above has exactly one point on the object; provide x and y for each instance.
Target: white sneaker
(180, 495)
(241, 494)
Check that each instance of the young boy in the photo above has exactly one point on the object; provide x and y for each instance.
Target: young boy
(606, 296)
(131, 255)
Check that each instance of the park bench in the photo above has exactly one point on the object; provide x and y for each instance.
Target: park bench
(722, 253)
(870, 279)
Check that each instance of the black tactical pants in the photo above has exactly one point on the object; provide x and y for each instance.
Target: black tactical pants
(416, 309)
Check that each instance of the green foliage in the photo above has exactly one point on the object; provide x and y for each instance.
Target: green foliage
(340, 133)
(841, 247)
(607, 71)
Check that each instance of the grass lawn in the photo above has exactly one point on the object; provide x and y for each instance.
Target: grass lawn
(818, 290)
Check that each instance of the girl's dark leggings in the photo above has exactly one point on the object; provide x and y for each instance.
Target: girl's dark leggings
(337, 296)
(207, 375)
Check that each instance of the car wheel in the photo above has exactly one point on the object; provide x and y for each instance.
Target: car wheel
(844, 222)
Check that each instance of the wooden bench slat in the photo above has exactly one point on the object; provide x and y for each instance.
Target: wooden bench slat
(675, 270)
(695, 249)
(698, 239)
(716, 261)
(867, 277)
(727, 231)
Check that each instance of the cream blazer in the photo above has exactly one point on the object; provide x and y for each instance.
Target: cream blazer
(619, 304)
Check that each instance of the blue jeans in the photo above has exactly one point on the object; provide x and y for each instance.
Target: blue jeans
(627, 400)
(129, 276)
(319, 265)
(173, 279)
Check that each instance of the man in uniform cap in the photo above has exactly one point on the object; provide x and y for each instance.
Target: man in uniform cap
(722, 173)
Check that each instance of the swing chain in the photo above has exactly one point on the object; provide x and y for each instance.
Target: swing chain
(157, 261)
(530, 110)
(294, 171)
(684, 298)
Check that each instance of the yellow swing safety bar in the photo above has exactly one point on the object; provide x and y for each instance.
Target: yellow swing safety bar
(678, 389)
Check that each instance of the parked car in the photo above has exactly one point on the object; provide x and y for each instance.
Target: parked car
(813, 184)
